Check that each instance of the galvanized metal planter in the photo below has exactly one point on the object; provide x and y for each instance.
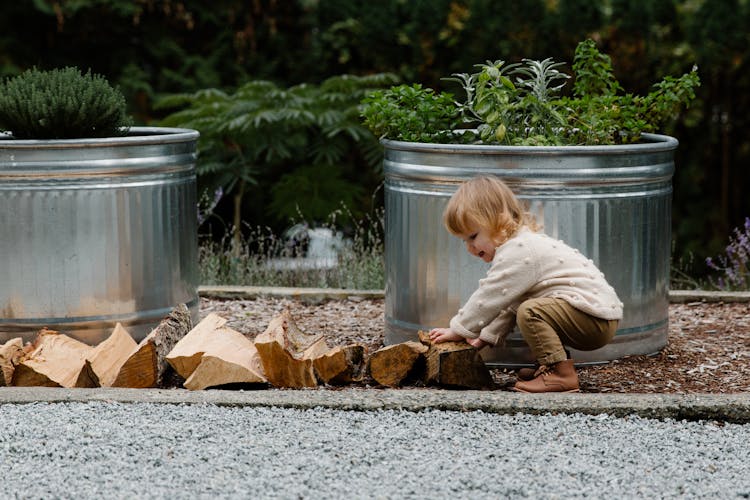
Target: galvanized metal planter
(97, 231)
(613, 203)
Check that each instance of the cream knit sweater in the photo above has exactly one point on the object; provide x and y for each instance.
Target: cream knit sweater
(533, 265)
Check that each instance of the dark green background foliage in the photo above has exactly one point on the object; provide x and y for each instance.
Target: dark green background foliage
(150, 48)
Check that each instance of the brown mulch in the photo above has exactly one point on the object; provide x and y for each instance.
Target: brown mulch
(708, 348)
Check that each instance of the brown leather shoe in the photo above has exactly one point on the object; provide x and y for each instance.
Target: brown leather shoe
(560, 377)
(526, 373)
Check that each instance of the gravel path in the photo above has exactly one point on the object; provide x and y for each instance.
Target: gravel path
(142, 450)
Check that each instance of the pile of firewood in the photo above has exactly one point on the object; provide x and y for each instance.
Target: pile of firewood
(212, 355)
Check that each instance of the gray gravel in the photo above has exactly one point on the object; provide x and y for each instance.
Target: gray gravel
(146, 450)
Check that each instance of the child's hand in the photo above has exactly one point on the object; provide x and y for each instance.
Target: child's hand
(439, 335)
(478, 343)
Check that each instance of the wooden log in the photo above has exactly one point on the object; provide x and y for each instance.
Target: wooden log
(455, 364)
(188, 351)
(391, 365)
(287, 353)
(231, 360)
(10, 355)
(341, 365)
(56, 361)
(106, 359)
(146, 366)
(212, 354)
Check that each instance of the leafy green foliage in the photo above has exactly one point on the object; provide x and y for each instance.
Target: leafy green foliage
(594, 73)
(61, 104)
(411, 113)
(528, 111)
(305, 138)
(599, 114)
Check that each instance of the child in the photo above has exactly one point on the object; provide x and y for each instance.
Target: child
(556, 295)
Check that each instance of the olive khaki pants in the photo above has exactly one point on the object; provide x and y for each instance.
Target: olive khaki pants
(549, 324)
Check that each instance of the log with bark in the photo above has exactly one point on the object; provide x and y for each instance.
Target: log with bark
(146, 365)
(393, 365)
(454, 364)
(287, 353)
(341, 365)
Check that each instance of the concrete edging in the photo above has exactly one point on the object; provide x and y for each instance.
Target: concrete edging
(734, 408)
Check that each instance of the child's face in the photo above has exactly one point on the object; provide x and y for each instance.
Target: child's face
(480, 243)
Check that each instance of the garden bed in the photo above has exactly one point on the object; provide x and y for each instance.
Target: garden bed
(708, 348)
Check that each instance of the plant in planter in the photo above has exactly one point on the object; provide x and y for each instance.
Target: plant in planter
(98, 218)
(588, 164)
(520, 104)
(61, 104)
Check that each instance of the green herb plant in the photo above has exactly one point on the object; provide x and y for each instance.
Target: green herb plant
(61, 104)
(523, 104)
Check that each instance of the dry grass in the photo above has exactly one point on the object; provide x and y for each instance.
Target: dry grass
(708, 349)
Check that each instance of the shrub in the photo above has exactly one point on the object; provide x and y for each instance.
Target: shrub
(61, 104)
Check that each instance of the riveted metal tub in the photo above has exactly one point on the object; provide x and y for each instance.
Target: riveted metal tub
(97, 231)
(613, 203)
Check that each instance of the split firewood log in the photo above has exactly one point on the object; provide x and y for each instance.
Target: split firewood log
(56, 361)
(287, 353)
(212, 354)
(341, 365)
(391, 365)
(188, 351)
(146, 366)
(10, 355)
(106, 359)
(454, 364)
(238, 363)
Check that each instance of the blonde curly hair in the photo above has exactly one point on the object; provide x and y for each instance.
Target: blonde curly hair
(486, 202)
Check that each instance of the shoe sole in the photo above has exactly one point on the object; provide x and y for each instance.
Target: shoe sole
(544, 392)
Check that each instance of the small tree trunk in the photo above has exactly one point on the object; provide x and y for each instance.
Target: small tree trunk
(237, 222)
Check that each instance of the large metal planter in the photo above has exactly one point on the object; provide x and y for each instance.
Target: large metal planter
(613, 203)
(97, 231)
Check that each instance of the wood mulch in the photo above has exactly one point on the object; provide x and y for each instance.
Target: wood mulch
(708, 349)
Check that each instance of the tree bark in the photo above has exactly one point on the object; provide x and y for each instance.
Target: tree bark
(455, 364)
(146, 366)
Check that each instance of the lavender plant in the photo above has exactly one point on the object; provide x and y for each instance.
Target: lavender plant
(734, 265)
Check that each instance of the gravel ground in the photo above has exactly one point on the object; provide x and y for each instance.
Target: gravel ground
(708, 349)
(111, 450)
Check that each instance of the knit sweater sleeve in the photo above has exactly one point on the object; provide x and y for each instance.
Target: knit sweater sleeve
(489, 313)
